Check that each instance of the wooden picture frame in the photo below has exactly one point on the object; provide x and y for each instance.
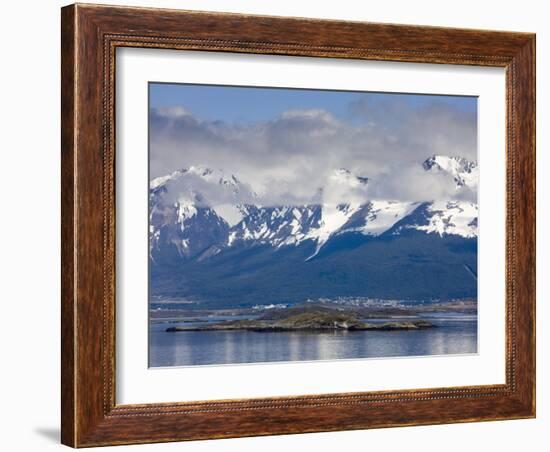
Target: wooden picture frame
(90, 36)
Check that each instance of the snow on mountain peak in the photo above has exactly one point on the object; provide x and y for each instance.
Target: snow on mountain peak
(161, 180)
(453, 217)
(200, 208)
(463, 171)
(204, 172)
(200, 170)
(382, 215)
(333, 218)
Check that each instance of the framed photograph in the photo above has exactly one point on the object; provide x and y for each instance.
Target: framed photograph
(282, 225)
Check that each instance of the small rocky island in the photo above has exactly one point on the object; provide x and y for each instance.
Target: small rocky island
(307, 319)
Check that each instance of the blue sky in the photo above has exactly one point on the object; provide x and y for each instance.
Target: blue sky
(248, 104)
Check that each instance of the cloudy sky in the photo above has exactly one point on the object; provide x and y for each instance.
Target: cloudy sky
(286, 143)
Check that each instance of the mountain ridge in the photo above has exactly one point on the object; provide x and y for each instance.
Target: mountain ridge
(192, 219)
(236, 250)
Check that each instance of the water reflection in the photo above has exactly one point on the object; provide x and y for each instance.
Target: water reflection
(452, 336)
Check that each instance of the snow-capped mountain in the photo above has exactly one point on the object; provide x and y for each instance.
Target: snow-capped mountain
(464, 172)
(211, 239)
(201, 212)
(203, 172)
(182, 220)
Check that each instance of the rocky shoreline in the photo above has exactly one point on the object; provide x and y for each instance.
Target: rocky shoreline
(309, 320)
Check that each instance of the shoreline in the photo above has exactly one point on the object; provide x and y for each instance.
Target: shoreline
(306, 318)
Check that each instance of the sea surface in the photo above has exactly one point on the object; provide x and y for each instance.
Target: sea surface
(455, 334)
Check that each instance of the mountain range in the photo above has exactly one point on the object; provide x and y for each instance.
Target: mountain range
(211, 240)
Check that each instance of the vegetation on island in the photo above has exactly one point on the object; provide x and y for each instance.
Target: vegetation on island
(315, 318)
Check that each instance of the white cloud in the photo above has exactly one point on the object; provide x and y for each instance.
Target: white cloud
(172, 112)
(289, 158)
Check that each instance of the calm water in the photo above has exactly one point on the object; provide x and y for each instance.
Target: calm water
(455, 334)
